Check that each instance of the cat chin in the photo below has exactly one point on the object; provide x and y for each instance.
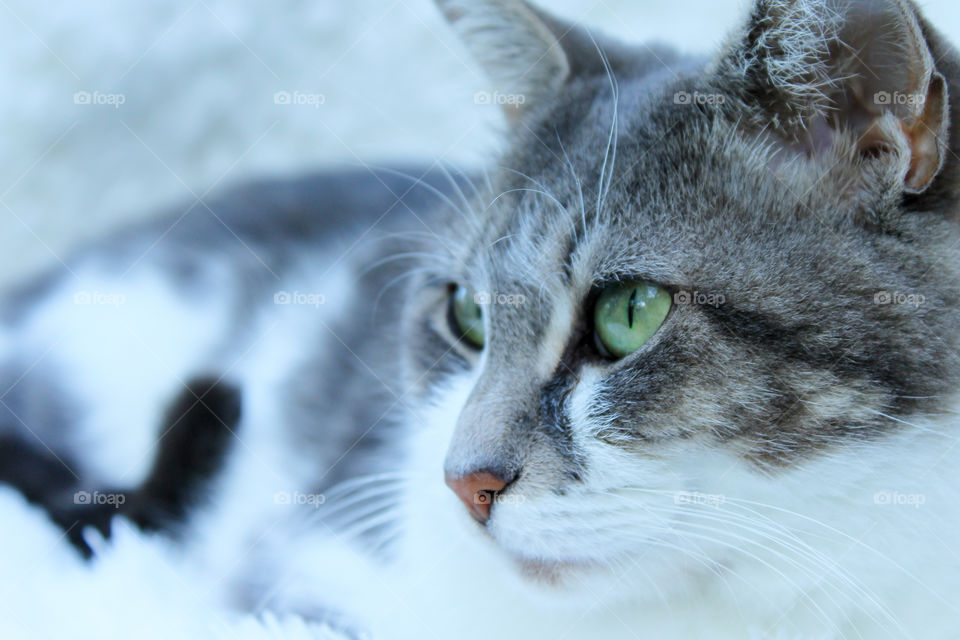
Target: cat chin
(552, 573)
(580, 585)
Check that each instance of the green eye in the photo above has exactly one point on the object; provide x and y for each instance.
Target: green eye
(467, 316)
(627, 314)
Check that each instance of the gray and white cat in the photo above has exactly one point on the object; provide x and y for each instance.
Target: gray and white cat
(684, 365)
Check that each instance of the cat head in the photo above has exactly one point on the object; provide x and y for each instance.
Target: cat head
(688, 279)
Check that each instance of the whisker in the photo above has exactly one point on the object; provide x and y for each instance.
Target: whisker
(610, 154)
(742, 504)
(347, 514)
(576, 178)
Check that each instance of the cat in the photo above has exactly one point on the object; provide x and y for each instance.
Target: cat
(683, 365)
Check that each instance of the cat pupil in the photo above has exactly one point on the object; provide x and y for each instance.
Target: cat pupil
(630, 307)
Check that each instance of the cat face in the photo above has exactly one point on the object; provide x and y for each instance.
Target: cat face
(790, 245)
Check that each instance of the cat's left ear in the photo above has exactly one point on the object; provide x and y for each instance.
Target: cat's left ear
(819, 67)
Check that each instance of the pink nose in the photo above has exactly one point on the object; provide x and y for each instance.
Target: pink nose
(477, 491)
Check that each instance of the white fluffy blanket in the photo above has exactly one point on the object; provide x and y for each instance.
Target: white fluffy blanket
(137, 587)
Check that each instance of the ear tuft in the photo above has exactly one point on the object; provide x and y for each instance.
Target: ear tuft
(518, 51)
(782, 57)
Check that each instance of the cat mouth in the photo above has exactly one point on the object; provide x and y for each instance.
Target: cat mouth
(539, 567)
(541, 571)
(548, 571)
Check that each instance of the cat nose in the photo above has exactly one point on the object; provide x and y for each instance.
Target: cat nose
(477, 491)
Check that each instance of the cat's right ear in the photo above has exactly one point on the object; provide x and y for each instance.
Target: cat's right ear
(515, 45)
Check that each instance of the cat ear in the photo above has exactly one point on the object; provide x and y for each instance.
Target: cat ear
(515, 46)
(817, 68)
